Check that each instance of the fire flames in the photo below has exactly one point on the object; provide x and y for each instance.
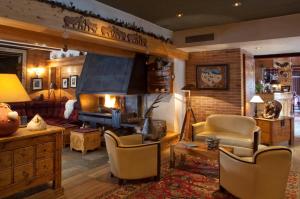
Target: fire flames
(110, 101)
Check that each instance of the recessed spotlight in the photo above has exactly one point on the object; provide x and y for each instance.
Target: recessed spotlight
(237, 4)
(258, 48)
(179, 15)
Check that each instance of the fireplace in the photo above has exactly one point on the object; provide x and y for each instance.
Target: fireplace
(111, 110)
(111, 89)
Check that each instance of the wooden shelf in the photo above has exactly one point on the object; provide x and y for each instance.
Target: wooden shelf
(160, 78)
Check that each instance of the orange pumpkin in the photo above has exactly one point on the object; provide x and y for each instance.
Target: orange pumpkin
(7, 126)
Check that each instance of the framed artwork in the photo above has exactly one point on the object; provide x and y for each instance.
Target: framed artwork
(65, 83)
(285, 88)
(73, 81)
(37, 84)
(212, 77)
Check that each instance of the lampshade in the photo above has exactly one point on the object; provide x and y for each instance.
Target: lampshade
(188, 87)
(11, 89)
(256, 99)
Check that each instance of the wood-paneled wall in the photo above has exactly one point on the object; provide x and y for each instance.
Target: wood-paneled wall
(37, 58)
(66, 67)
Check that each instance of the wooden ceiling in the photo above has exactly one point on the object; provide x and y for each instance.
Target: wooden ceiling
(201, 13)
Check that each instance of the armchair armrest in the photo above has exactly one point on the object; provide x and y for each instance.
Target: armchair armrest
(197, 128)
(237, 175)
(134, 139)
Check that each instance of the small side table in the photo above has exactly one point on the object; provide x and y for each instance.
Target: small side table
(85, 139)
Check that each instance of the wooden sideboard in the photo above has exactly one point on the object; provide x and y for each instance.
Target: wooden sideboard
(275, 131)
(30, 158)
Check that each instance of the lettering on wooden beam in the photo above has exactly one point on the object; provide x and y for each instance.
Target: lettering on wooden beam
(111, 32)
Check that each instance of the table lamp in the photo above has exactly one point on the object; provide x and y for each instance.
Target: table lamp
(256, 99)
(11, 90)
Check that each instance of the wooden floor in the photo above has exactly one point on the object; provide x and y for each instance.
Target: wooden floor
(85, 177)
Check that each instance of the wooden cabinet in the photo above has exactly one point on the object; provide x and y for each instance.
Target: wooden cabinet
(275, 131)
(30, 158)
(160, 78)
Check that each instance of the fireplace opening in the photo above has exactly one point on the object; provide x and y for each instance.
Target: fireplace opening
(111, 110)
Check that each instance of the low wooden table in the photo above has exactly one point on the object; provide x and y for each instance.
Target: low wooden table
(85, 139)
(200, 150)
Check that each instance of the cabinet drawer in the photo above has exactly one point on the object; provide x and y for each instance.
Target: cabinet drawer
(23, 155)
(45, 150)
(23, 173)
(5, 160)
(44, 167)
(5, 177)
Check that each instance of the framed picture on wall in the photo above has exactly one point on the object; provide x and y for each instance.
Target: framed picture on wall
(65, 83)
(212, 77)
(73, 81)
(37, 84)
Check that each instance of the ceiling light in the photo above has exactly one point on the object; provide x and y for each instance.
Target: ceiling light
(258, 48)
(179, 15)
(237, 4)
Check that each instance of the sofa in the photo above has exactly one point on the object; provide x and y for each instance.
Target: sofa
(53, 114)
(130, 159)
(238, 132)
(263, 176)
(51, 111)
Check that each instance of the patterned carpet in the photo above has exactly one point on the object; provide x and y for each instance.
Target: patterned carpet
(181, 183)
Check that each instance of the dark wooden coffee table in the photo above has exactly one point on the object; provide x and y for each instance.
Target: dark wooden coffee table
(200, 150)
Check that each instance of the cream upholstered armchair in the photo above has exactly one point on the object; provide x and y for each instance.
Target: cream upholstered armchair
(262, 177)
(130, 159)
(238, 132)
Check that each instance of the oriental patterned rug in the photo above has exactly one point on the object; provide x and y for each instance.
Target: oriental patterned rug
(181, 183)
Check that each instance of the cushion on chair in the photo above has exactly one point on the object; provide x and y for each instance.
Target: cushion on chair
(227, 138)
(230, 123)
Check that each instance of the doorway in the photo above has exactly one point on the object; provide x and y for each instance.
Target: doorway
(296, 99)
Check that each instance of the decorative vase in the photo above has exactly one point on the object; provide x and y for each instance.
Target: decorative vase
(9, 120)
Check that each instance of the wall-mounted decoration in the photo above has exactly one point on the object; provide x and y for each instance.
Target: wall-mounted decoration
(285, 88)
(284, 67)
(37, 84)
(212, 77)
(115, 21)
(111, 32)
(80, 23)
(73, 81)
(65, 83)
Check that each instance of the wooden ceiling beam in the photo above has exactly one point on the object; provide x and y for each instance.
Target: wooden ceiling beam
(45, 21)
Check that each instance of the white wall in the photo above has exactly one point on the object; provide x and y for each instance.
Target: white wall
(172, 108)
(254, 30)
(112, 13)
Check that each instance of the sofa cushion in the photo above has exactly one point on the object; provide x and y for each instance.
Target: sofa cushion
(231, 123)
(227, 138)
